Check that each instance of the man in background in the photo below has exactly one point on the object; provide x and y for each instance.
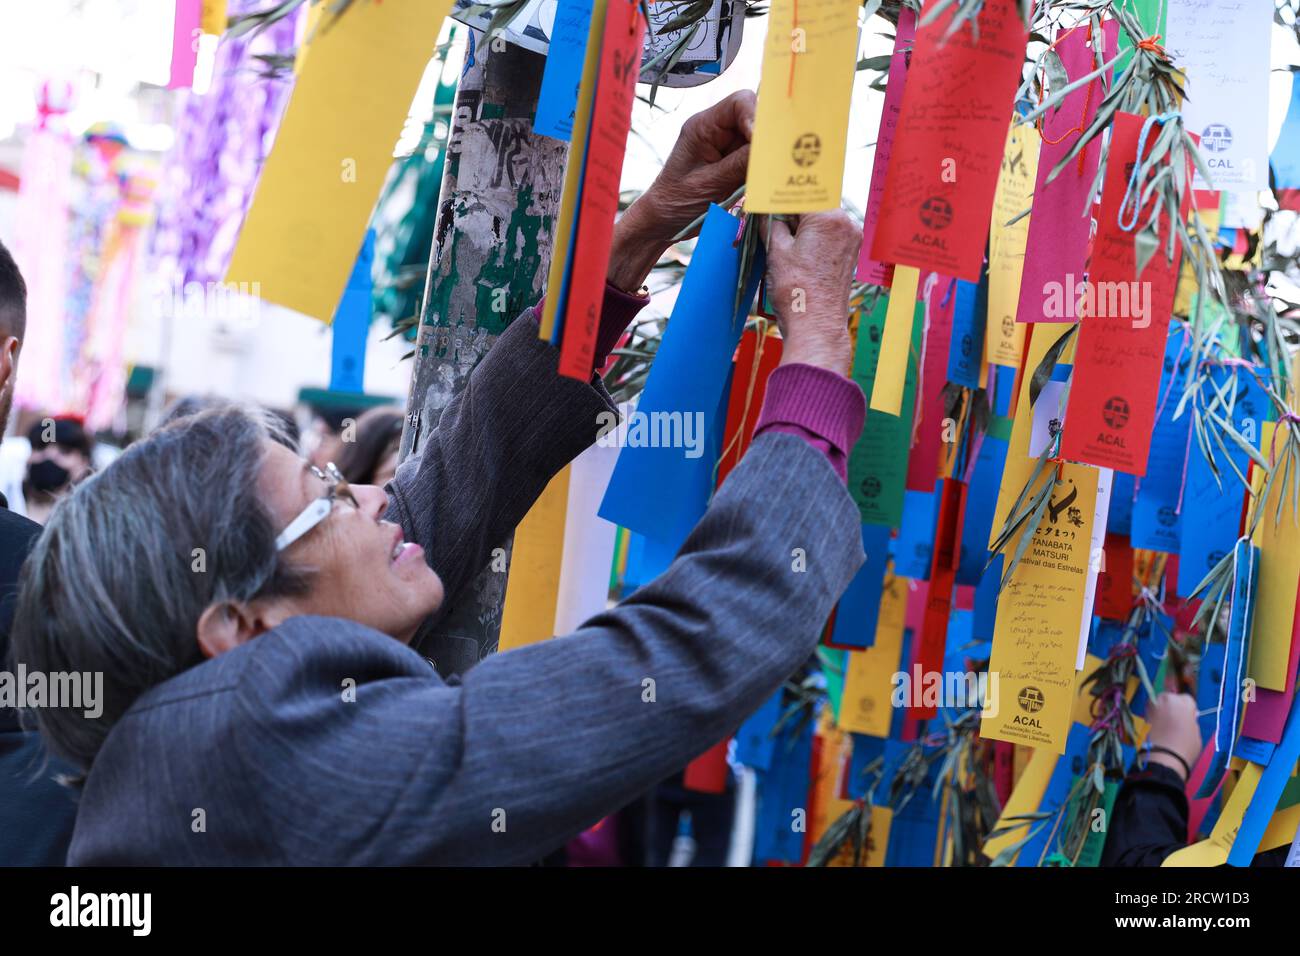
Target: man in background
(36, 813)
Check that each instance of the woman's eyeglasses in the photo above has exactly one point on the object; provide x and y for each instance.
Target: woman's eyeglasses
(336, 487)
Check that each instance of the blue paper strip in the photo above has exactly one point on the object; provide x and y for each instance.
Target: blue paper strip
(1157, 511)
(1208, 680)
(981, 501)
(654, 490)
(783, 790)
(1285, 159)
(915, 541)
(858, 612)
(562, 75)
(1263, 803)
(1069, 765)
(1234, 668)
(754, 739)
(967, 337)
(351, 326)
(1217, 503)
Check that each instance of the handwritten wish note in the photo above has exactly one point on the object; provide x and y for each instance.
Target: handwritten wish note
(1223, 47)
(562, 77)
(331, 154)
(801, 125)
(1057, 243)
(948, 148)
(1112, 408)
(607, 142)
(869, 270)
(1005, 337)
(1036, 635)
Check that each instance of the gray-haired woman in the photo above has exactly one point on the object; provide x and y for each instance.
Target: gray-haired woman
(251, 615)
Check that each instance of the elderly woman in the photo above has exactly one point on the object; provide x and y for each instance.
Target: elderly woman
(251, 614)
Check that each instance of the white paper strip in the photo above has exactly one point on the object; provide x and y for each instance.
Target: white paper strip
(588, 541)
(1224, 47)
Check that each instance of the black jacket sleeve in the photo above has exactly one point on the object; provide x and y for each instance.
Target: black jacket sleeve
(1149, 819)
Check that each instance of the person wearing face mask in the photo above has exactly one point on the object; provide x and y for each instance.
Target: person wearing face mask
(252, 613)
(36, 813)
(61, 456)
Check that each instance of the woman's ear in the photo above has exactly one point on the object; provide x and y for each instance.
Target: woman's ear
(223, 627)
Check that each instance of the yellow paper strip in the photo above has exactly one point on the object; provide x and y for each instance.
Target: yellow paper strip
(1004, 338)
(533, 588)
(213, 18)
(891, 370)
(801, 125)
(1019, 466)
(1036, 634)
(1279, 574)
(332, 152)
(865, 702)
(1024, 799)
(1216, 848)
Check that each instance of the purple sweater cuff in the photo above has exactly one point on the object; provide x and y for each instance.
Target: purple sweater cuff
(617, 310)
(823, 408)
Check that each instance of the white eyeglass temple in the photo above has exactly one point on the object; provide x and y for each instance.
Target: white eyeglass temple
(312, 515)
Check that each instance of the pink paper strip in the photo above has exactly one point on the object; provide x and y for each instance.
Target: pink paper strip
(185, 52)
(869, 270)
(923, 463)
(1057, 245)
(1266, 714)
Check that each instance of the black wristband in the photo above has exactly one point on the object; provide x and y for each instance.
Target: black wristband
(1157, 749)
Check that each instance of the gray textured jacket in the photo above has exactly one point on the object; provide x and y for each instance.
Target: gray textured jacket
(255, 757)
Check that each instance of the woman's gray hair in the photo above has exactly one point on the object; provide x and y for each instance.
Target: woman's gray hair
(130, 560)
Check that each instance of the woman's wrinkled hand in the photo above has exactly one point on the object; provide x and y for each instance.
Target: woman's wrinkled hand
(810, 264)
(708, 164)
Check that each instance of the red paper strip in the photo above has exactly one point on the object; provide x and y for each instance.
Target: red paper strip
(1057, 245)
(748, 388)
(707, 773)
(1004, 769)
(943, 575)
(951, 134)
(1115, 585)
(1112, 405)
(611, 119)
(869, 270)
(928, 442)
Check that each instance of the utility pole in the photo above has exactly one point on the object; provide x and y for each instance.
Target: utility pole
(491, 251)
